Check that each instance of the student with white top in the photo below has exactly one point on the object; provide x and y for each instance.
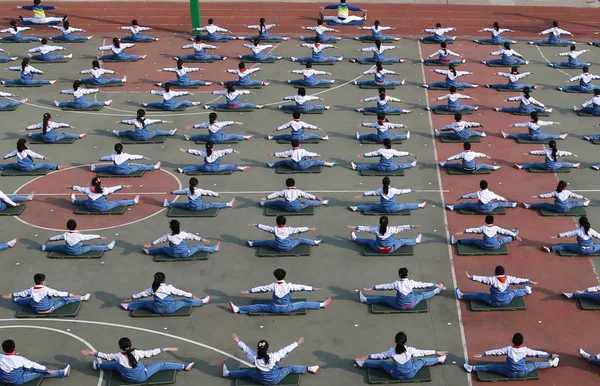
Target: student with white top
(27, 74)
(527, 104)
(25, 159)
(194, 195)
(592, 106)
(96, 196)
(141, 131)
(6, 59)
(13, 200)
(170, 102)
(561, 196)
(136, 33)
(383, 100)
(444, 55)
(492, 235)
(453, 104)
(121, 165)
(500, 292)
(384, 242)
(80, 101)
(213, 32)
(317, 55)
(595, 359)
(585, 240)
(590, 293)
(243, 74)
(376, 33)
(283, 236)
(292, 198)
(9, 244)
(73, 245)
(550, 159)
(509, 58)
(487, 201)
(301, 102)
(387, 199)
(321, 33)
(232, 99)
(299, 159)
(178, 247)
(10, 104)
(459, 129)
(573, 61)
(215, 131)
(18, 370)
(534, 132)
(118, 52)
(98, 78)
(380, 79)
(258, 54)
(199, 51)
(383, 127)
(438, 34)
(585, 82)
(513, 80)
(378, 54)
(183, 78)
(15, 34)
(553, 36)
(263, 32)
(49, 128)
(386, 159)
(67, 33)
(497, 38)
(212, 160)
(451, 79)
(308, 77)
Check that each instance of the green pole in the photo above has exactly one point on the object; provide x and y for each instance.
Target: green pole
(195, 14)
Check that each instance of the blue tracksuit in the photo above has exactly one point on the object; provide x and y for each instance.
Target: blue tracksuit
(195, 202)
(491, 240)
(405, 298)
(39, 298)
(25, 161)
(515, 366)
(97, 202)
(404, 367)
(387, 201)
(500, 293)
(291, 200)
(178, 248)
(281, 301)
(164, 302)
(283, 240)
(384, 243)
(585, 242)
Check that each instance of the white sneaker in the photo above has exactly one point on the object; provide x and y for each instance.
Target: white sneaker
(362, 298)
(179, 170)
(359, 363)
(13, 242)
(108, 102)
(206, 300)
(577, 165)
(157, 165)
(517, 166)
(574, 108)
(85, 297)
(325, 202)
(172, 132)
(483, 134)
(30, 196)
(73, 198)
(408, 135)
(442, 359)
(436, 132)
(586, 203)
(442, 164)
(244, 168)
(596, 167)
(261, 203)
(125, 306)
(235, 309)
(423, 205)
(190, 365)
(528, 290)
(568, 295)
(427, 108)
(269, 137)
(43, 247)
(136, 199)
(247, 137)
(57, 103)
(124, 80)
(353, 236)
(70, 56)
(52, 82)
(353, 208)
(195, 104)
(353, 165)
(459, 294)
(313, 369)
(325, 138)
(250, 243)
(497, 108)
(496, 167)
(218, 246)
(111, 245)
(419, 238)
(327, 107)
(546, 249)
(414, 163)
(231, 203)
(166, 203)
(468, 368)
(25, 100)
(554, 362)
(514, 204)
(583, 353)
(67, 370)
(293, 59)
(505, 135)
(452, 240)
(325, 304)
(224, 371)
(450, 207)
(549, 110)
(317, 242)
(95, 365)
(92, 167)
(587, 138)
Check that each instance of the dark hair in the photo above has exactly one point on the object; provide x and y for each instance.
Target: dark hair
(377, 22)
(290, 182)
(554, 23)
(71, 224)
(174, 225)
(403, 273)
(159, 278)
(499, 270)
(241, 65)
(526, 91)
(134, 22)
(378, 43)
(496, 25)
(97, 185)
(13, 23)
(141, 113)
(125, 346)
(452, 68)
(21, 145)
(467, 146)
(400, 340)
(438, 25)
(95, 64)
(119, 148)
(8, 346)
(381, 93)
(443, 45)
(209, 148)
(179, 64)
(585, 224)
(586, 69)
(386, 184)
(37, 2)
(38, 278)
(320, 22)
(453, 89)
(279, 273)
(77, 84)
(489, 219)
(296, 115)
(387, 143)
(514, 70)
(561, 186)
(116, 42)
(256, 41)
(295, 143)
(379, 65)
(167, 86)
(47, 117)
(457, 116)
(383, 223)
(301, 91)
(261, 26)
(230, 87)
(317, 40)
(212, 118)
(198, 38)
(573, 47)
(210, 21)
(518, 339)
(506, 45)
(66, 24)
(381, 117)
(552, 145)
(596, 92)
(280, 220)
(262, 351)
(24, 63)
(308, 65)
(44, 41)
(193, 184)
(534, 116)
(483, 184)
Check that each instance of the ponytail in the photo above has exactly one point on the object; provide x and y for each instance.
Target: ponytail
(209, 148)
(585, 224)
(561, 186)
(400, 342)
(168, 86)
(261, 26)
(76, 85)
(193, 184)
(125, 346)
(381, 93)
(179, 64)
(21, 145)
(141, 113)
(526, 92)
(378, 43)
(230, 87)
(386, 184)
(496, 25)
(159, 278)
(116, 42)
(377, 23)
(383, 223)
(13, 24)
(175, 227)
(262, 351)
(212, 118)
(97, 185)
(452, 69)
(24, 63)
(47, 117)
(119, 148)
(552, 145)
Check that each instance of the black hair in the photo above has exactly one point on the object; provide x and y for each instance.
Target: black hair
(179, 64)
(378, 43)
(44, 41)
(317, 40)
(279, 273)
(596, 92)
(261, 26)
(167, 86)
(301, 91)
(526, 91)
(210, 21)
(562, 185)
(381, 93)
(506, 45)
(118, 148)
(383, 223)
(518, 339)
(379, 65)
(438, 25)
(66, 24)
(134, 22)
(24, 63)
(174, 225)
(381, 117)
(320, 22)
(296, 115)
(45, 122)
(21, 145)
(400, 340)
(499, 270)
(141, 113)
(193, 183)
(280, 220)
(295, 143)
(386, 184)
(496, 25)
(198, 38)
(483, 184)
(262, 351)
(13, 23)
(467, 146)
(554, 23)
(230, 87)
(308, 65)
(290, 182)
(403, 273)
(573, 48)
(489, 219)
(116, 42)
(585, 224)
(95, 64)
(241, 65)
(387, 143)
(514, 70)
(8, 346)
(77, 84)
(125, 346)
(552, 145)
(37, 2)
(97, 185)
(453, 89)
(209, 148)
(586, 69)
(256, 41)
(212, 118)
(534, 116)
(443, 45)
(457, 116)
(452, 68)
(72, 224)
(38, 278)
(159, 278)
(377, 22)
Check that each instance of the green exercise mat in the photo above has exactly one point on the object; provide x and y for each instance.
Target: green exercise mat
(495, 377)
(161, 378)
(19, 173)
(443, 112)
(155, 139)
(571, 254)
(87, 255)
(227, 142)
(561, 170)
(595, 141)
(187, 87)
(453, 171)
(578, 92)
(373, 113)
(531, 142)
(300, 311)
(438, 43)
(290, 380)
(276, 211)
(315, 111)
(299, 250)
(198, 60)
(310, 170)
(517, 304)
(201, 173)
(64, 141)
(10, 108)
(179, 108)
(104, 85)
(379, 376)
(182, 212)
(568, 68)
(327, 63)
(471, 211)
(258, 61)
(581, 114)
(540, 114)
(588, 304)
(371, 142)
(403, 212)
(405, 250)
(91, 108)
(444, 88)
(471, 250)
(576, 211)
(14, 85)
(82, 209)
(119, 60)
(472, 139)
(502, 65)
(378, 173)
(161, 258)
(13, 210)
(377, 87)
(383, 308)
(312, 141)
(35, 382)
(508, 90)
(236, 110)
(323, 85)
(145, 313)
(139, 173)
(551, 45)
(67, 311)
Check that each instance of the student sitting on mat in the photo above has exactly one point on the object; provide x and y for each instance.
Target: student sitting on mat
(48, 134)
(405, 298)
(386, 159)
(215, 131)
(25, 159)
(263, 32)
(98, 78)
(550, 159)
(12, 200)
(509, 58)
(438, 34)
(592, 106)
(243, 74)
(292, 198)
(163, 294)
(585, 82)
(500, 293)
(136, 33)
(308, 77)
(534, 132)
(199, 51)
(178, 248)
(18, 370)
(169, 102)
(283, 236)
(554, 36)
(258, 54)
(80, 101)
(67, 33)
(451, 79)
(595, 359)
(9, 244)
(378, 54)
(39, 14)
(380, 79)
(387, 199)
(5, 59)
(118, 52)
(343, 16)
(383, 127)
(320, 31)
(561, 200)
(141, 131)
(212, 160)
(298, 128)
(212, 34)
(573, 61)
(183, 79)
(27, 74)
(595, 137)
(376, 33)
(267, 368)
(299, 158)
(194, 195)
(301, 102)
(585, 240)
(454, 104)
(404, 365)
(491, 241)
(128, 362)
(589, 293)
(317, 53)
(526, 104)
(496, 35)
(382, 100)
(281, 302)
(9, 104)
(74, 242)
(443, 57)
(15, 34)
(39, 297)
(121, 165)
(96, 196)
(513, 81)
(384, 236)
(487, 201)
(232, 100)
(515, 366)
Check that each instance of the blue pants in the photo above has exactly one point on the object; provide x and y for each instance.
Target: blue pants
(4, 59)
(208, 168)
(395, 245)
(84, 249)
(304, 83)
(177, 83)
(442, 62)
(296, 207)
(143, 135)
(386, 168)
(522, 111)
(120, 57)
(216, 37)
(230, 107)
(447, 86)
(68, 38)
(387, 110)
(195, 207)
(101, 81)
(115, 170)
(149, 370)
(255, 58)
(291, 164)
(392, 301)
(587, 295)
(539, 137)
(29, 167)
(109, 205)
(30, 375)
(170, 107)
(141, 38)
(246, 82)
(452, 109)
(487, 298)
(590, 88)
(494, 41)
(274, 245)
(372, 38)
(165, 308)
(590, 110)
(324, 39)
(310, 59)
(85, 105)
(507, 63)
(3, 246)
(290, 137)
(394, 373)
(270, 38)
(595, 137)
(553, 41)
(216, 138)
(5, 105)
(26, 81)
(47, 58)
(437, 39)
(387, 208)
(576, 248)
(200, 57)
(373, 83)
(567, 64)
(480, 244)
(55, 138)
(304, 109)
(503, 369)
(20, 38)
(181, 254)
(272, 377)
(14, 198)
(465, 134)
(556, 208)
(475, 206)
(374, 60)
(379, 139)
(540, 165)
(520, 87)
(56, 303)
(279, 309)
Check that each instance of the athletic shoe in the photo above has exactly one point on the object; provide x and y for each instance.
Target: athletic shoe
(528, 289)
(517, 166)
(73, 198)
(596, 167)
(362, 298)
(14, 58)
(583, 353)
(587, 138)
(146, 251)
(95, 365)
(352, 165)
(359, 363)
(30, 196)
(513, 205)
(172, 132)
(243, 168)
(13, 242)
(353, 236)
(143, 56)
(250, 243)
(527, 62)
(442, 164)
(224, 371)
(157, 165)
(450, 207)
(125, 306)
(419, 238)
(408, 135)
(86, 297)
(235, 309)
(483, 134)
(423, 205)
(92, 167)
(196, 104)
(43, 247)
(353, 208)
(187, 137)
(261, 203)
(325, 138)
(586, 203)
(468, 368)
(179, 170)
(111, 245)
(293, 59)
(358, 135)
(315, 369)
(436, 131)
(231, 203)
(247, 137)
(442, 359)
(325, 202)
(190, 365)
(568, 295)
(136, 199)
(453, 240)
(24, 100)
(70, 56)
(327, 107)
(108, 102)
(67, 370)
(57, 103)
(559, 88)
(497, 108)
(464, 61)
(546, 249)
(505, 135)
(270, 165)
(427, 108)
(166, 203)
(206, 300)
(496, 167)
(326, 303)
(260, 107)
(317, 242)
(554, 362)
(414, 163)
(578, 165)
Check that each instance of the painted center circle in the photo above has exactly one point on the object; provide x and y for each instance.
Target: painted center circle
(52, 207)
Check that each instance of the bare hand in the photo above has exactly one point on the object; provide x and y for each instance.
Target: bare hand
(86, 353)
(148, 159)
(127, 300)
(350, 227)
(442, 352)
(415, 226)
(183, 150)
(271, 154)
(368, 289)
(533, 282)
(102, 238)
(170, 349)
(460, 233)
(313, 229)
(300, 341)
(147, 245)
(195, 298)
(359, 196)
(477, 356)
(361, 156)
(51, 372)
(245, 292)
(252, 225)
(128, 186)
(235, 338)
(6, 296)
(205, 241)
(362, 359)
(469, 276)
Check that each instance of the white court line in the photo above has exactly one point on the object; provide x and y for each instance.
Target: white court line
(239, 192)
(547, 61)
(106, 324)
(447, 230)
(85, 342)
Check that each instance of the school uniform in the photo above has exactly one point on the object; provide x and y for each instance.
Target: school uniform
(549, 162)
(67, 34)
(383, 105)
(405, 298)
(451, 79)
(215, 132)
(387, 201)
(283, 240)
(195, 202)
(515, 366)
(136, 34)
(163, 300)
(509, 58)
(309, 79)
(200, 52)
(343, 13)
(212, 162)
(380, 78)
(561, 201)
(139, 374)
(98, 78)
(15, 35)
(263, 33)
(590, 293)
(573, 62)
(403, 366)
(454, 104)
(39, 15)
(5, 59)
(79, 99)
(121, 164)
(5, 105)
(376, 33)
(554, 37)
(585, 83)
(459, 130)
(281, 302)
(292, 199)
(39, 298)
(383, 131)
(526, 105)
(18, 370)
(51, 136)
(6, 201)
(258, 53)
(118, 53)
(534, 131)
(500, 292)
(384, 243)
(443, 58)
(378, 55)
(244, 78)
(27, 76)
(496, 36)
(183, 79)
(25, 161)
(97, 202)
(169, 102)
(298, 128)
(298, 159)
(232, 100)
(513, 81)
(301, 103)
(487, 201)
(317, 55)
(438, 35)
(592, 106)
(491, 240)
(212, 33)
(321, 33)
(141, 131)
(386, 160)
(585, 242)
(73, 245)
(178, 247)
